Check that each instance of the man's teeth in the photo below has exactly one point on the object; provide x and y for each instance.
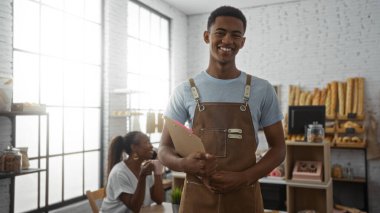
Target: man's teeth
(225, 49)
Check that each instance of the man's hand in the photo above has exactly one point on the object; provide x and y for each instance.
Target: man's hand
(200, 164)
(224, 181)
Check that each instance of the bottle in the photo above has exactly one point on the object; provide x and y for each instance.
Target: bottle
(315, 133)
(349, 172)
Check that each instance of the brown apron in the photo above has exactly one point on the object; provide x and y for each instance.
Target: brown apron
(226, 130)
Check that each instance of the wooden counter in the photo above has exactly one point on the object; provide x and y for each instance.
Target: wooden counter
(163, 208)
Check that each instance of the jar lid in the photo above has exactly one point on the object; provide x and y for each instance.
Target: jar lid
(315, 125)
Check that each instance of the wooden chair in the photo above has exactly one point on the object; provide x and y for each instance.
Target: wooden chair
(93, 196)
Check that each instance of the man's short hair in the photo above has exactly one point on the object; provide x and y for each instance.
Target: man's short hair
(226, 11)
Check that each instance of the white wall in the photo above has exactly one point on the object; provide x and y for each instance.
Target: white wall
(309, 43)
(6, 44)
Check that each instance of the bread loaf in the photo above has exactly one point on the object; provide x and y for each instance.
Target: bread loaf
(297, 95)
(291, 95)
(355, 96)
(317, 95)
(342, 101)
(360, 96)
(322, 100)
(334, 95)
(302, 99)
(349, 95)
(328, 103)
(309, 98)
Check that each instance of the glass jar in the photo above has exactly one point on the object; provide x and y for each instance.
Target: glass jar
(10, 160)
(315, 133)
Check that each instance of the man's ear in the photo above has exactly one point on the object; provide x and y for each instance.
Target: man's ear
(242, 43)
(206, 36)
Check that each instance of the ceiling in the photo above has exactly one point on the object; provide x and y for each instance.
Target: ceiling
(191, 7)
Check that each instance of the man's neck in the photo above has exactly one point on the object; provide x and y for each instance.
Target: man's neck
(223, 71)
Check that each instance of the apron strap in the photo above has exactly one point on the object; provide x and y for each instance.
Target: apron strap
(194, 92)
(247, 92)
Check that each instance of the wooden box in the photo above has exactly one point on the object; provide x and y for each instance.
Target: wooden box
(308, 171)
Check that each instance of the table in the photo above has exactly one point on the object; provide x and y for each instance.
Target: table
(163, 208)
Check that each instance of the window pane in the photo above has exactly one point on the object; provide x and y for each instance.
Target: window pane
(25, 75)
(54, 3)
(133, 55)
(92, 86)
(92, 44)
(55, 180)
(91, 129)
(73, 37)
(91, 171)
(51, 81)
(55, 130)
(73, 130)
(133, 17)
(43, 183)
(73, 176)
(27, 134)
(26, 192)
(26, 25)
(155, 29)
(43, 135)
(144, 24)
(51, 31)
(73, 84)
(164, 33)
(75, 7)
(92, 10)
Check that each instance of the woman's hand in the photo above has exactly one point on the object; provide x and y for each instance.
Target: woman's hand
(146, 168)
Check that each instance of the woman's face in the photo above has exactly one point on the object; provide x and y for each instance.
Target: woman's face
(144, 148)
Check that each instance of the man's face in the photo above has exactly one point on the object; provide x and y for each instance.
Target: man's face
(226, 37)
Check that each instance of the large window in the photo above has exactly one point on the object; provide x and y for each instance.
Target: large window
(148, 62)
(57, 62)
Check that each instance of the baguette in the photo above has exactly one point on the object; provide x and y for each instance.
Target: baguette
(297, 95)
(328, 103)
(316, 97)
(322, 100)
(291, 95)
(309, 98)
(355, 95)
(360, 96)
(334, 94)
(302, 99)
(342, 101)
(349, 94)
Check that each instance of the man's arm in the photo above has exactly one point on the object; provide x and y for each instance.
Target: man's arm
(196, 163)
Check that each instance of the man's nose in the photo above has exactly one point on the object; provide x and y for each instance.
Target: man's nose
(227, 39)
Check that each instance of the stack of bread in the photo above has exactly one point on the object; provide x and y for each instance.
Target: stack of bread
(340, 98)
(343, 100)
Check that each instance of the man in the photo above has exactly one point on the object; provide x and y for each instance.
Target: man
(225, 107)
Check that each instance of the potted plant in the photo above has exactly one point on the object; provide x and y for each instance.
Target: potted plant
(176, 198)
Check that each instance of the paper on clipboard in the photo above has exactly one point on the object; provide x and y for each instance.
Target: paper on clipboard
(185, 142)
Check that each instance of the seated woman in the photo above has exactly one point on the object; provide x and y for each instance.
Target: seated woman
(130, 183)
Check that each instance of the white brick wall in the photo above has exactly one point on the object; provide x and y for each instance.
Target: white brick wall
(310, 43)
(6, 39)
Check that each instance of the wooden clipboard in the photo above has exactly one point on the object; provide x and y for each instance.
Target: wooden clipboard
(185, 142)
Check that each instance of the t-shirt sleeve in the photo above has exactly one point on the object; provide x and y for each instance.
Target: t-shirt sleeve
(270, 109)
(176, 108)
(120, 183)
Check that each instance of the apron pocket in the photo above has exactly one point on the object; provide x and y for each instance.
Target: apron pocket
(215, 141)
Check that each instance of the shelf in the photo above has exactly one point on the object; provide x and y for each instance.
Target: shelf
(23, 172)
(12, 114)
(349, 147)
(292, 143)
(273, 180)
(308, 184)
(355, 180)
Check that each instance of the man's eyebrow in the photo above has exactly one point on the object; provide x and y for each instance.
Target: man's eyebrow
(234, 31)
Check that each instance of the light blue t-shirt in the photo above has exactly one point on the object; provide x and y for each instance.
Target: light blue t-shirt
(263, 102)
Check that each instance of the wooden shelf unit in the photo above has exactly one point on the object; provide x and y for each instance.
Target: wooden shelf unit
(303, 195)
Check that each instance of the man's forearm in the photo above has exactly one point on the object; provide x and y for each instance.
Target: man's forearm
(169, 158)
(274, 157)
